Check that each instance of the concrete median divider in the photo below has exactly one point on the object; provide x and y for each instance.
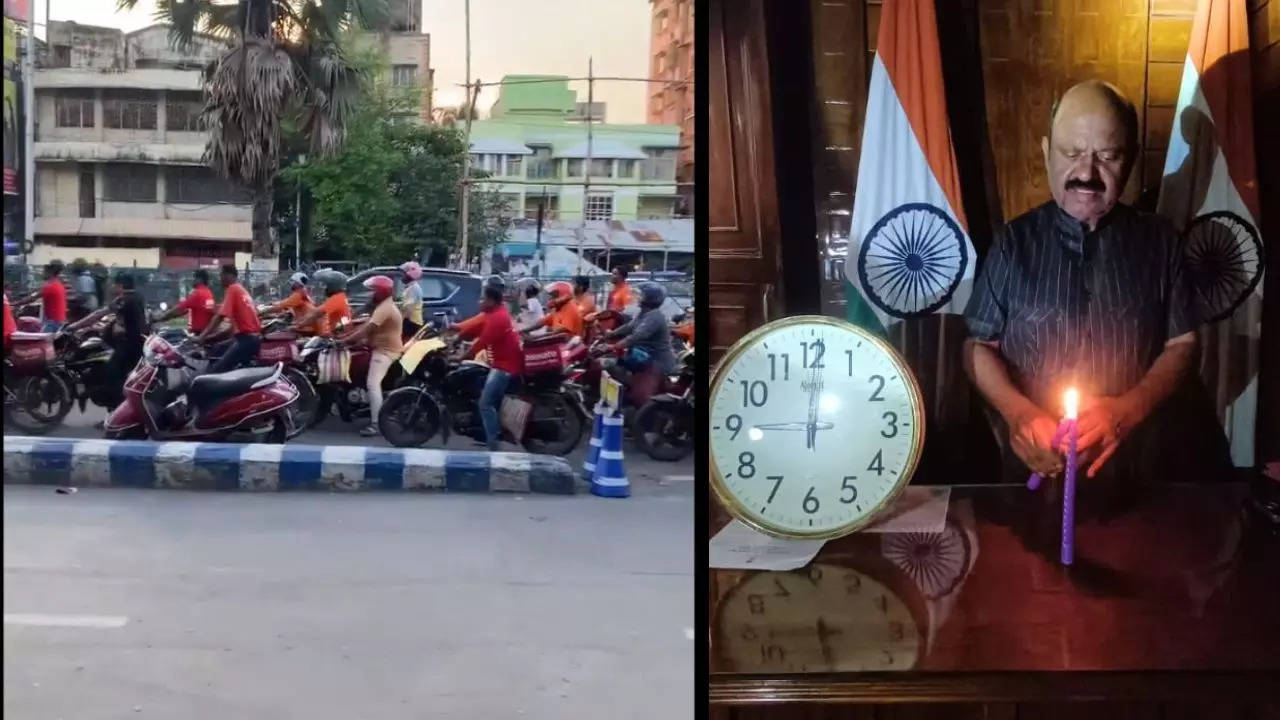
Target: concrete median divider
(276, 468)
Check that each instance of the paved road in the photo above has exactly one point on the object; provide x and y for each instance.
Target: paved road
(165, 604)
(646, 474)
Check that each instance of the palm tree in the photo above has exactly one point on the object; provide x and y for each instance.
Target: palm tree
(284, 68)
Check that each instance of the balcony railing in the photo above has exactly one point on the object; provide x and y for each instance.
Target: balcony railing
(658, 169)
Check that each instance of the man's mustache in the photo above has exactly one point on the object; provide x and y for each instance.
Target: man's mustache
(1090, 185)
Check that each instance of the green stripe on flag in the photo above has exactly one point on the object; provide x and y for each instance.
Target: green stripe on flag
(859, 312)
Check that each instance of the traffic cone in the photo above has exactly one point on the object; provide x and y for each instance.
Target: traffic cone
(610, 479)
(593, 450)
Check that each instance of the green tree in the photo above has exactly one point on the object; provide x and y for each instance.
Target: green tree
(392, 192)
(285, 67)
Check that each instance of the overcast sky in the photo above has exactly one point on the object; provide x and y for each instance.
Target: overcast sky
(508, 37)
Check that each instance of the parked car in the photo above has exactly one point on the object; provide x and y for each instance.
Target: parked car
(443, 291)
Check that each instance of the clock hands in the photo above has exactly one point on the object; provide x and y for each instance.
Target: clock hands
(815, 386)
(797, 426)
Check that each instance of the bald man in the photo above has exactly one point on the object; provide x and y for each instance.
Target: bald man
(1088, 292)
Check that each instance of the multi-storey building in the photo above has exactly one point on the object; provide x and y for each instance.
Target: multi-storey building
(671, 101)
(119, 172)
(408, 54)
(534, 149)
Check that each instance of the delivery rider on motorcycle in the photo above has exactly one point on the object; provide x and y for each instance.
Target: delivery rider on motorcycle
(645, 342)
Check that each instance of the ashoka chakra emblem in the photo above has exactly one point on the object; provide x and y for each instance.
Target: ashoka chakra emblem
(912, 260)
(1223, 260)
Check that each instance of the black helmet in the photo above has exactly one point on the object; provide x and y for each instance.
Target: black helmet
(495, 281)
(334, 281)
(652, 295)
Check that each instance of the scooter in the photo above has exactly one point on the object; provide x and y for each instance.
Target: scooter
(166, 400)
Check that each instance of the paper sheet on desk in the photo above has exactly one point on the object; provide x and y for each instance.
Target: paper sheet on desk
(920, 508)
(739, 547)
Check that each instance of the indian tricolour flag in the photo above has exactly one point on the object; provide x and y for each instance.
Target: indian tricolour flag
(1210, 191)
(909, 248)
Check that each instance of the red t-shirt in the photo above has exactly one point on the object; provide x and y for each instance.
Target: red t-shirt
(10, 325)
(500, 339)
(200, 308)
(54, 296)
(238, 307)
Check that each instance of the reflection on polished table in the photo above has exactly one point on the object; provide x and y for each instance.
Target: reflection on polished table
(1175, 592)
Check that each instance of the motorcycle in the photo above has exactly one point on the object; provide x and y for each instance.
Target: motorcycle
(664, 426)
(82, 360)
(36, 398)
(350, 396)
(443, 397)
(165, 399)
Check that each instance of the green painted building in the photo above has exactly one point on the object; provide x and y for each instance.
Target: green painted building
(534, 149)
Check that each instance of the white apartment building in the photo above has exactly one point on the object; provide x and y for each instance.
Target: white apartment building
(119, 172)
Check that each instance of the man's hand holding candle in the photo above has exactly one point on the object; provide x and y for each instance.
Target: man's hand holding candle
(1104, 424)
(1031, 434)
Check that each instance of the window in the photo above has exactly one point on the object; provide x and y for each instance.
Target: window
(182, 112)
(86, 192)
(661, 164)
(127, 110)
(129, 182)
(599, 207)
(626, 168)
(550, 209)
(433, 288)
(514, 163)
(404, 75)
(73, 110)
(601, 168)
(198, 184)
(574, 167)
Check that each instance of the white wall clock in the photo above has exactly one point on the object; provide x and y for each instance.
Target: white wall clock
(816, 426)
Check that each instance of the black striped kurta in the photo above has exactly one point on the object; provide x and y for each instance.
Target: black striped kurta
(1071, 306)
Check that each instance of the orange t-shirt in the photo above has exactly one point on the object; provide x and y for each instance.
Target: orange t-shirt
(335, 308)
(567, 318)
(299, 303)
(472, 326)
(238, 308)
(620, 298)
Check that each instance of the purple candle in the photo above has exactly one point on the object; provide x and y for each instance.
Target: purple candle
(1070, 403)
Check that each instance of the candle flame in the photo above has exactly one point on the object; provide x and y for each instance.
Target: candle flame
(1070, 403)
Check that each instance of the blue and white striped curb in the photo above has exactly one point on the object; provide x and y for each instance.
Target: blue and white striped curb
(270, 468)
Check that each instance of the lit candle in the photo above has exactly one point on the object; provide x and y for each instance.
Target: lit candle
(1070, 405)
(1067, 428)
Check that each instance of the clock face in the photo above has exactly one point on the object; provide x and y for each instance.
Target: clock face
(815, 427)
(824, 618)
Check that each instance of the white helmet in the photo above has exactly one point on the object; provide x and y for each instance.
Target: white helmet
(299, 279)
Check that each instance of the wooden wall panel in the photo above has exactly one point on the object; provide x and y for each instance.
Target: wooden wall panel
(742, 205)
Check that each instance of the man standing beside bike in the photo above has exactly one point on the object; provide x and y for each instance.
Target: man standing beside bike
(383, 334)
(239, 310)
(411, 299)
(53, 295)
(506, 359)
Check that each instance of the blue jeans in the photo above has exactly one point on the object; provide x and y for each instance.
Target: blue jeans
(243, 350)
(495, 386)
(52, 326)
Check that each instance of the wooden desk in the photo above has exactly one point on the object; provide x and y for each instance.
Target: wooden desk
(1174, 597)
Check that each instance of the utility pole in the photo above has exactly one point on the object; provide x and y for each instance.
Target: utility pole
(466, 171)
(29, 118)
(466, 159)
(586, 171)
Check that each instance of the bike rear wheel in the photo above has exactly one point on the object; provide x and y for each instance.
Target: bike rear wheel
(554, 426)
(38, 404)
(661, 433)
